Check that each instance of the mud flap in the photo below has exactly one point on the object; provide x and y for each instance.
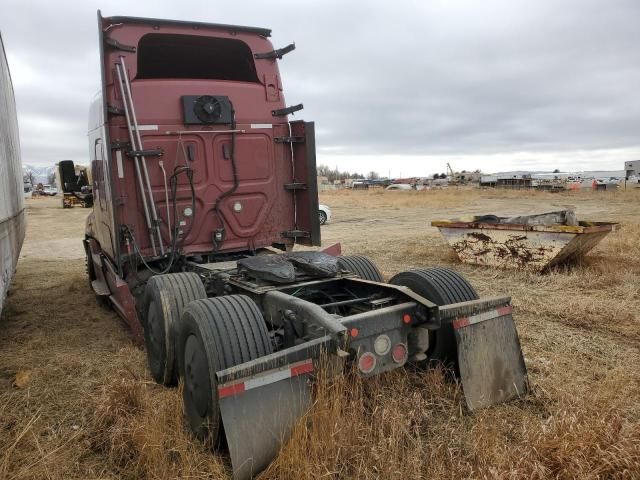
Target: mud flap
(259, 413)
(492, 368)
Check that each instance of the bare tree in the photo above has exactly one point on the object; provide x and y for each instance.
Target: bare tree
(323, 170)
(335, 174)
(28, 177)
(373, 175)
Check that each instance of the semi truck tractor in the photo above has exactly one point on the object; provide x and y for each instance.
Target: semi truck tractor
(205, 237)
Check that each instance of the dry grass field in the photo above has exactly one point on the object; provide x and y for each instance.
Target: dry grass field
(77, 401)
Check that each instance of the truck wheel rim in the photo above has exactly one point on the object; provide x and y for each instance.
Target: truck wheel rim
(196, 372)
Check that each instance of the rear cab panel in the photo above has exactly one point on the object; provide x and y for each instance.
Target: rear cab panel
(166, 61)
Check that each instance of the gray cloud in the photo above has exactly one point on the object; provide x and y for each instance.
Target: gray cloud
(404, 79)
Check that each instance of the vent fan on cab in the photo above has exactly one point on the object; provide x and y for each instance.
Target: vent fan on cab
(207, 109)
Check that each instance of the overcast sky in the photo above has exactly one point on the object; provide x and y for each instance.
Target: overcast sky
(394, 86)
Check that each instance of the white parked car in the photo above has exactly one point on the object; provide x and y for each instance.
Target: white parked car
(49, 190)
(399, 186)
(324, 213)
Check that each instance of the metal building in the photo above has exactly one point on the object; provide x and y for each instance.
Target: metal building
(631, 169)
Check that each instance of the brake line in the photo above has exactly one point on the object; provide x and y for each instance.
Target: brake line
(236, 182)
(166, 196)
(174, 246)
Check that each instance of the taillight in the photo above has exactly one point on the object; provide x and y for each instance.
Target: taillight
(367, 362)
(399, 353)
(382, 345)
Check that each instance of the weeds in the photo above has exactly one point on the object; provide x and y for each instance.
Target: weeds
(91, 410)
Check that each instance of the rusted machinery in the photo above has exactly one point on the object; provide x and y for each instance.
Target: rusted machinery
(75, 183)
(202, 187)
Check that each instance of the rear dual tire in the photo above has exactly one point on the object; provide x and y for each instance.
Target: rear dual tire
(215, 334)
(441, 286)
(361, 266)
(165, 298)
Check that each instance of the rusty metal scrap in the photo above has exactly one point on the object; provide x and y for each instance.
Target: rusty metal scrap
(524, 245)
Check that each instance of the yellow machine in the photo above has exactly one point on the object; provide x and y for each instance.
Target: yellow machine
(74, 182)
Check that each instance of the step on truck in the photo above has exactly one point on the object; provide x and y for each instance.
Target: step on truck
(203, 184)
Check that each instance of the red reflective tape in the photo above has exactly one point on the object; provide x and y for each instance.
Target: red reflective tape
(228, 390)
(306, 366)
(302, 369)
(481, 317)
(461, 322)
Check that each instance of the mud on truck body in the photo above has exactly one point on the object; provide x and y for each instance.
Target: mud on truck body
(202, 187)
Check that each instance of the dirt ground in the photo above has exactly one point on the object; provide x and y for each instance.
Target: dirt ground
(77, 401)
